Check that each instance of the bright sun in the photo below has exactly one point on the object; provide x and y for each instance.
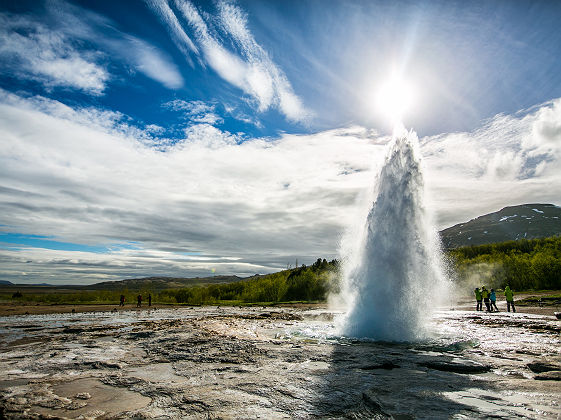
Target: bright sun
(395, 98)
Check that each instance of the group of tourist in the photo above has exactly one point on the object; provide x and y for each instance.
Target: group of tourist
(138, 300)
(490, 299)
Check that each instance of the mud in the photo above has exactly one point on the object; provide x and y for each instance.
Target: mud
(274, 363)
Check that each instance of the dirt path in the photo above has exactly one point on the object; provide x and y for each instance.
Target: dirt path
(7, 309)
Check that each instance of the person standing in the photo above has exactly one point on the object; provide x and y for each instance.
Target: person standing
(122, 300)
(509, 295)
(478, 298)
(493, 298)
(485, 294)
(138, 301)
(149, 300)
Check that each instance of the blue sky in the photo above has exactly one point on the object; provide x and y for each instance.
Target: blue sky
(206, 133)
(470, 61)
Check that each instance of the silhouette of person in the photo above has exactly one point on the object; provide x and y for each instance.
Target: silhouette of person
(149, 300)
(139, 301)
(122, 300)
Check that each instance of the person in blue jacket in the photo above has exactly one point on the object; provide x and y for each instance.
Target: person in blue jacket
(493, 298)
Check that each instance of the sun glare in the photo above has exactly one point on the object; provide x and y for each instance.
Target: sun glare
(394, 99)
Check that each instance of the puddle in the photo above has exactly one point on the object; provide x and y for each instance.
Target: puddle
(89, 397)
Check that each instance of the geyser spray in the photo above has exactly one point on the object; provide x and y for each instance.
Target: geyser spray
(393, 273)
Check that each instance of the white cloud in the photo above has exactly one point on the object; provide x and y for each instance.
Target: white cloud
(153, 63)
(265, 78)
(177, 33)
(196, 111)
(58, 56)
(546, 130)
(86, 176)
(263, 203)
(253, 71)
(505, 162)
(29, 47)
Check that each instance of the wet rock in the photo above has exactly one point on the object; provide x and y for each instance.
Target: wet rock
(140, 334)
(373, 407)
(121, 381)
(76, 405)
(25, 327)
(527, 324)
(530, 353)
(540, 367)
(103, 365)
(371, 401)
(285, 316)
(553, 375)
(201, 348)
(324, 316)
(388, 365)
(73, 330)
(464, 366)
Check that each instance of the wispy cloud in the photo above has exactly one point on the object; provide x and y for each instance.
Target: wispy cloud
(76, 51)
(151, 61)
(196, 111)
(29, 48)
(178, 35)
(265, 77)
(252, 70)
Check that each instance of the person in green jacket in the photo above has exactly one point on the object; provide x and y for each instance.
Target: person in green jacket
(485, 293)
(479, 299)
(509, 295)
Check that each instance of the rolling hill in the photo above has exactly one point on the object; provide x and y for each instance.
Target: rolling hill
(526, 221)
(161, 283)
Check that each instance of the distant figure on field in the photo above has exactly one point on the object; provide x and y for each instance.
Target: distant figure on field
(122, 300)
(138, 301)
(479, 300)
(485, 294)
(509, 295)
(149, 300)
(493, 298)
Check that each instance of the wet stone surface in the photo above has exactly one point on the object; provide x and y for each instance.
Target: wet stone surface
(274, 363)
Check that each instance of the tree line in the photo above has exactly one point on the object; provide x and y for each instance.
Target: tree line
(305, 283)
(523, 264)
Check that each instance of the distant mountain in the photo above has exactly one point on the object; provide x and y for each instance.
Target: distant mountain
(527, 221)
(161, 283)
(6, 282)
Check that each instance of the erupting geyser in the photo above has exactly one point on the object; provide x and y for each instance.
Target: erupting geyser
(394, 275)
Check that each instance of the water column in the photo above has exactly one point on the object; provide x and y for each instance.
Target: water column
(395, 280)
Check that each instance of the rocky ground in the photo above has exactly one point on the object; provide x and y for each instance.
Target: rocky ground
(274, 363)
